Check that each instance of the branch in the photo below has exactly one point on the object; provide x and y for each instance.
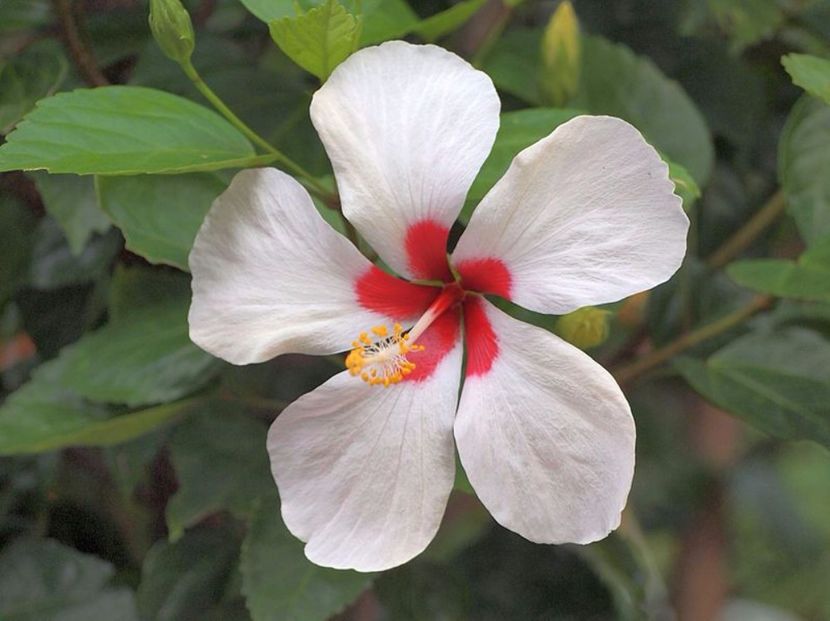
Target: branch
(628, 373)
(749, 232)
(78, 50)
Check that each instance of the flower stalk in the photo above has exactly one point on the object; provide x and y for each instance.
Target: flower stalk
(749, 232)
(628, 373)
(314, 186)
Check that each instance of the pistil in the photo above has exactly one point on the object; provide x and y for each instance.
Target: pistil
(379, 356)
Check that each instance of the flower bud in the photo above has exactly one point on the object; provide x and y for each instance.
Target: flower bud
(585, 327)
(561, 56)
(172, 29)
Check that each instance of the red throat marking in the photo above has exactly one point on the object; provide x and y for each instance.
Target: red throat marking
(426, 250)
(480, 338)
(486, 276)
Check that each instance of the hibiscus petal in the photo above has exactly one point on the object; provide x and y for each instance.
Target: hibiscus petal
(407, 128)
(544, 433)
(364, 472)
(585, 216)
(270, 276)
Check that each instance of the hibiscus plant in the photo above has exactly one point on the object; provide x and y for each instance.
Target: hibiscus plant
(463, 309)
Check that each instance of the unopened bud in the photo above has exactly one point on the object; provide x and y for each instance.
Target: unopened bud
(172, 29)
(561, 56)
(586, 327)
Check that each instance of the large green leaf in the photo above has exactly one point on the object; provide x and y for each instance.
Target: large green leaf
(319, 39)
(776, 381)
(43, 580)
(624, 563)
(17, 14)
(522, 128)
(41, 416)
(803, 162)
(184, 580)
(53, 264)
(134, 288)
(747, 21)
(617, 82)
(280, 584)
(159, 215)
(517, 131)
(810, 73)
(806, 279)
(71, 201)
(221, 465)
(147, 358)
(514, 64)
(382, 19)
(28, 77)
(121, 130)
(443, 23)
(17, 227)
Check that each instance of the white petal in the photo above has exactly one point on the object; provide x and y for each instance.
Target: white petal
(364, 472)
(544, 434)
(407, 128)
(270, 276)
(585, 216)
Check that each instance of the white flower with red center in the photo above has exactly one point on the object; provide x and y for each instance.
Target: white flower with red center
(365, 463)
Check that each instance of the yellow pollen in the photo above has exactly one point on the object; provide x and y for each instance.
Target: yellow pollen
(382, 362)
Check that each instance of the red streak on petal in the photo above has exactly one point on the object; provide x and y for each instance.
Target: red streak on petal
(485, 276)
(392, 297)
(438, 341)
(481, 340)
(426, 250)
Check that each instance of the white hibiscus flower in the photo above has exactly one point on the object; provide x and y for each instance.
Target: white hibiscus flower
(365, 463)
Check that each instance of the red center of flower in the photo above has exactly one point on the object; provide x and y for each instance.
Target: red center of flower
(387, 356)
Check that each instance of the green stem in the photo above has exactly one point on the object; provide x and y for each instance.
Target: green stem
(310, 182)
(630, 372)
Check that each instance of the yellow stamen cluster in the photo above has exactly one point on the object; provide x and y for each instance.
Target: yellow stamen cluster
(381, 361)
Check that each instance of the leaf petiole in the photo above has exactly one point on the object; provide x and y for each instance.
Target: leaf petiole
(274, 154)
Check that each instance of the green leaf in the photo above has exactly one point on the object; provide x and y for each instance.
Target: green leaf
(520, 129)
(517, 131)
(624, 563)
(684, 185)
(514, 64)
(806, 279)
(748, 21)
(17, 227)
(159, 215)
(19, 14)
(135, 287)
(382, 19)
(42, 416)
(803, 162)
(53, 265)
(182, 581)
(122, 130)
(43, 580)
(221, 465)
(319, 39)
(280, 583)
(617, 82)
(449, 20)
(776, 381)
(71, 201)
(145, 359)
(28, 77)
(386, 19)
(810, 73)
